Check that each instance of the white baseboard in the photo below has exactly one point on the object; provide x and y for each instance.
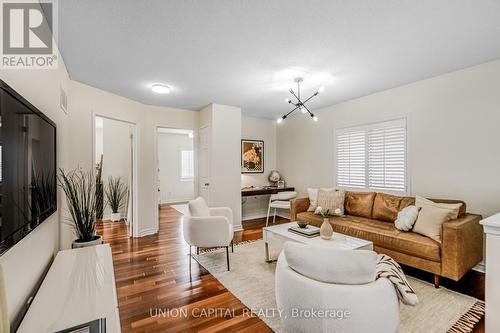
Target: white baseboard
(147, 232)
(264, 215)
(253, 216)
(108, 217)
(237, 227)
(481, 267)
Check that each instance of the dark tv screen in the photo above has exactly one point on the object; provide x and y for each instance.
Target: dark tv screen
(27, 168)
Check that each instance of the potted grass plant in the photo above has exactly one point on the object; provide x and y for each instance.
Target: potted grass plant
(80, 191)
(116, 194)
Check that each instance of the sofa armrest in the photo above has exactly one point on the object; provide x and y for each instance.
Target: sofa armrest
(298, 205)
(462, 246)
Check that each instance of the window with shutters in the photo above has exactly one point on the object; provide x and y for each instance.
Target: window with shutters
(187, 165)
(372, 157)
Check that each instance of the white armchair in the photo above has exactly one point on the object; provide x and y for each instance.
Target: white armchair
(208, 227)
(340, 282)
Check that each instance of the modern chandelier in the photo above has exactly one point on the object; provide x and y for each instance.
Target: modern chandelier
(299, 104)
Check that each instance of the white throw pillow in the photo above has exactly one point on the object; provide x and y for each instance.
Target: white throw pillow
(406, 218)
(313, 197)
(198, 207)
(331, 265)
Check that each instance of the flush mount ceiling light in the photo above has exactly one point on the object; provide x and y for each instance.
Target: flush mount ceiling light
(160, 88)
(300, 104)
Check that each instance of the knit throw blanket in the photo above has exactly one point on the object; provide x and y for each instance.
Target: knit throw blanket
(390, 269)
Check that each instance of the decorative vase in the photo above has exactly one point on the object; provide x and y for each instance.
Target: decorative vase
(78, 243)
(326, 230)
(115, 217)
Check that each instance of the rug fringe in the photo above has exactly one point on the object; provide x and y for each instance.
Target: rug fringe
(469, 320)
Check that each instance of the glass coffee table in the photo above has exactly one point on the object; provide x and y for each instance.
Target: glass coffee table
(277, 235)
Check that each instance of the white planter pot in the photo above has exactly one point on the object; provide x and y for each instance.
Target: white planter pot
(115, 217)
(76, 244)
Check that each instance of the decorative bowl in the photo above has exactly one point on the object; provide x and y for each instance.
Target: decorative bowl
(302, 224)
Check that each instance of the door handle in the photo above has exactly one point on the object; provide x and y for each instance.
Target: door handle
(207, 184)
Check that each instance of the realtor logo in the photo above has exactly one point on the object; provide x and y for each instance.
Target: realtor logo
(28, 28)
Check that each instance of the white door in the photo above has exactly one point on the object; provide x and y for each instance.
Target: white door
(204, 164)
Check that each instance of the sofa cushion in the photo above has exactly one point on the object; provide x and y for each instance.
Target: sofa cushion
(310, 218)
(382, 234)
(359, 203)
(386, 207)
(406, 201)
(331, 265)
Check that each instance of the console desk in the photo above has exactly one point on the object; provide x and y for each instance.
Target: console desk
(263, 190)
(78, 288)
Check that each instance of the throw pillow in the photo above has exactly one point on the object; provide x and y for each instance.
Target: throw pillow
(455, 207)
(313, 197)
(406, 218)
(331, 200)
(432, 216)
(331, 265)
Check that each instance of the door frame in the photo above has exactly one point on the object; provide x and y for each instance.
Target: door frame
(135, 187)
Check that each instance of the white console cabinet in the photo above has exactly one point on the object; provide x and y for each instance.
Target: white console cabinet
(78, 288)
(492, 294)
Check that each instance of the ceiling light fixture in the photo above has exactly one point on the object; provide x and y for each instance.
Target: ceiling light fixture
(300, 104)
(160, 88)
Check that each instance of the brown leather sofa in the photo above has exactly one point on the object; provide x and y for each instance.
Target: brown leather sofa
(371, 216)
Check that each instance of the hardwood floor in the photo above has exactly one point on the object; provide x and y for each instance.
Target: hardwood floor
(153, 276)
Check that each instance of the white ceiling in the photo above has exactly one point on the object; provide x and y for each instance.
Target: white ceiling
(246, 53)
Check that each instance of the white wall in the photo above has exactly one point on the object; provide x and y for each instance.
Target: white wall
(172, 187)
(453, 136)
(25, 263)
(224, 159)
(86, 101)
(258, 129)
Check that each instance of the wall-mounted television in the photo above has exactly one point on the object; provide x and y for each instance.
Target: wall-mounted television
(27, 167)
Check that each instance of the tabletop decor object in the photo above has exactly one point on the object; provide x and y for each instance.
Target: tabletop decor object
(326, 230)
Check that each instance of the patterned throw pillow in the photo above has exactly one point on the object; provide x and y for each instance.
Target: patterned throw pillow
(313, 197)
(331, 200)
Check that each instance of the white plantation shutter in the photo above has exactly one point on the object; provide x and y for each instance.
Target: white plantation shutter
(187, 164)
(372, 157)
(387, 158)
(351, 159)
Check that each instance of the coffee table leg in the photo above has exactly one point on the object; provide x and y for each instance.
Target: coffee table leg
(267, 252)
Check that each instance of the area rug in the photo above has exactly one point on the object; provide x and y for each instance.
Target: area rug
(181, 208)
(251, 280)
